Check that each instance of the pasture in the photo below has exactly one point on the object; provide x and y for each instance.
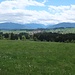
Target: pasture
(59, 30)
(36, 58)
(63, 31)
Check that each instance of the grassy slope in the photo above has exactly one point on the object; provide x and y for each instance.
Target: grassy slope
(36, 58)
(66, 30)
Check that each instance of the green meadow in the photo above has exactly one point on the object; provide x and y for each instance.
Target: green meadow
(64, 31)
(59, 30)
(36, 58)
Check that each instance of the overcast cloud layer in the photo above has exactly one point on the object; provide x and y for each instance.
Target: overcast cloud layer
(18, 11)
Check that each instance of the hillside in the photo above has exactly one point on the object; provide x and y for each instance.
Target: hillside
(62, 25)
(20, 26)
(11, 26)
(35, 26)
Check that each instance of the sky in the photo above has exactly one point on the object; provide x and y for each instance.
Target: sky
(45, 12)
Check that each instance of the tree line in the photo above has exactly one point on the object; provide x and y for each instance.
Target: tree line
(42, 36)
(54, 37)
(13, 36)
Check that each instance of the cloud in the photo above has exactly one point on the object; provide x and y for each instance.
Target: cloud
(63, 13)
(16, 11)
(44, 1)
(19, 4)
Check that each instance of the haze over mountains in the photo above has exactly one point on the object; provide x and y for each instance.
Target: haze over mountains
(35, 26)
(63, 25)
(21, 26)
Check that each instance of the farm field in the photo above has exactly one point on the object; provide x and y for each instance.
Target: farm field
(13, 31)
(64, 31)
(36, 58)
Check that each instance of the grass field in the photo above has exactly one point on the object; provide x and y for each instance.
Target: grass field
(36, 58)
(64, 31)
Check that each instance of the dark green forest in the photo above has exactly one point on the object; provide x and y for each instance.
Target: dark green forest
(42, 36)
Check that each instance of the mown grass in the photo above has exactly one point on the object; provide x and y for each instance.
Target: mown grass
(36, 58)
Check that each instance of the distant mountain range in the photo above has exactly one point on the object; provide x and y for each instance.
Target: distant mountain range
(20, 26)
(63, 25)
(35, 26)
(11, 26)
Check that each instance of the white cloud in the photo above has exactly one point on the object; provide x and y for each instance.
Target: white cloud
(44, 1)
(19, 4)
(16, 11)
(63, 13)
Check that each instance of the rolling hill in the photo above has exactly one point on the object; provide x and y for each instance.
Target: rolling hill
(20, 26)
(62, 25)
(11, 26)
(35, 26)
